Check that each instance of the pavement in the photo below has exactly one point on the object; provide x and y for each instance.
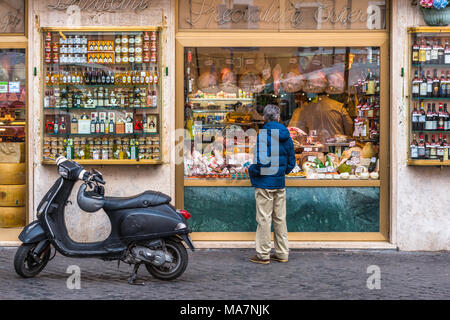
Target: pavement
(227, 274)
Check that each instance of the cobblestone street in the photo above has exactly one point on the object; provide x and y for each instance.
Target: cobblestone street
(227, 274)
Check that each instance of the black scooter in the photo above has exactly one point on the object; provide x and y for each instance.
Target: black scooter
(145, 229)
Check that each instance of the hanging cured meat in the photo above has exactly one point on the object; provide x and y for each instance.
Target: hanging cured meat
(227, 81)
(251, 80)
(316, 82)
(293, 80)
(266, 72)
(208, 80)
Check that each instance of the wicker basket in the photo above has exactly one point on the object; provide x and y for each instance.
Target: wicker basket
(434, 17)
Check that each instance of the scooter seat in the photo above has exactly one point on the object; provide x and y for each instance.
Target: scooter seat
(143, 200)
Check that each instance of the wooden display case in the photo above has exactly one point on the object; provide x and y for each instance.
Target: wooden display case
(432, 65)
(102, 97)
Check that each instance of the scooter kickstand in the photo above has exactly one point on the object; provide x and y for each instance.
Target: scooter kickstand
(132, 278)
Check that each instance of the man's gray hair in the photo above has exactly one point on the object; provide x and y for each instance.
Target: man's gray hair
(271, 112)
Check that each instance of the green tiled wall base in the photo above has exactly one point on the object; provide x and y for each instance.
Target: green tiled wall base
(331, 209)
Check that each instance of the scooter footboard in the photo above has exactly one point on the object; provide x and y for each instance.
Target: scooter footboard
(32, 233)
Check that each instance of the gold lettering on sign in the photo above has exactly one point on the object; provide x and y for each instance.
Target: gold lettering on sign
(293, 14)
(101, 5)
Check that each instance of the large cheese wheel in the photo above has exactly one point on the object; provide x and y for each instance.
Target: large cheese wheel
(12, 196)
(12, 173)
(12, 217)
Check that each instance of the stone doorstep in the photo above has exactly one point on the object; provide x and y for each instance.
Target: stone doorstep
(299, 245)
(292, 245)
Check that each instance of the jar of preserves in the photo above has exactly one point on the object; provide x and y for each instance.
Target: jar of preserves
(118, 40)
(124, 39)
(138, 58)
(138, 39)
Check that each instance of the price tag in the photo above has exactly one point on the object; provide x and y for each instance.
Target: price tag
(321, 170)
(352, 144)
(3, 87)
(307, 149)
(311, 158)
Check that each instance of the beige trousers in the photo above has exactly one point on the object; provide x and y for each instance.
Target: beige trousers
(271, 206)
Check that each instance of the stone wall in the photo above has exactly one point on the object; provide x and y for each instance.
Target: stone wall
(420, 202)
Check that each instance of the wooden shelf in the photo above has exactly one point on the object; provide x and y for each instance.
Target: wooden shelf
(424, 162)
(110, 162)
(220, 99)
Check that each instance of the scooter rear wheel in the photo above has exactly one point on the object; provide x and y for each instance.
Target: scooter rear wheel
(25, 265)
(176, 268)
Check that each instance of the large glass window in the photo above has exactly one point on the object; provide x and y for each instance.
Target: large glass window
(12, 141)
(329, 99)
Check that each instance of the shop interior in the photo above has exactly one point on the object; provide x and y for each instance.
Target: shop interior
(329, 99)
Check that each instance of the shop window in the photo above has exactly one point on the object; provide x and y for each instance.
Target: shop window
(12, 140)
(329, 98)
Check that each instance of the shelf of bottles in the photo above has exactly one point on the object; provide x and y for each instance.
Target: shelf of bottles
(102, 96)
(429, 98)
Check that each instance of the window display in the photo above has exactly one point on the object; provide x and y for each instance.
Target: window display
(430, 92)
(102, 97)
(329, 99)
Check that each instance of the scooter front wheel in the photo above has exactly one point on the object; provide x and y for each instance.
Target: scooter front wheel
(24, 263)
(171, 271)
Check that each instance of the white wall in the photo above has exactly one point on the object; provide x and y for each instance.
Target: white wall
(420, 195)
(121, 180)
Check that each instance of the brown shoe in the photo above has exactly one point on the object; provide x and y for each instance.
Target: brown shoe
(275, 258)
(256, 259)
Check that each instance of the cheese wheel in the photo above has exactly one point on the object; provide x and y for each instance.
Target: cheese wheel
(12, 173)
(12, 195)
(12, 217)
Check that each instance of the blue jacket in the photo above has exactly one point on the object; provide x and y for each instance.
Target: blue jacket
(271, 166)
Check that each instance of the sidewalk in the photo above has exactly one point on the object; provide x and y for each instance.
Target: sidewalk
(227, 274)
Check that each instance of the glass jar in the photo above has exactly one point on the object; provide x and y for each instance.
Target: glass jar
(138, 39)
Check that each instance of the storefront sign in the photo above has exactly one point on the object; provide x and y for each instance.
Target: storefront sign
(101, 5)
(12, 16)
(269, 14)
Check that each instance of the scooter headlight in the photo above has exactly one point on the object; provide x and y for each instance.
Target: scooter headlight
(63, 172)
(181, 226)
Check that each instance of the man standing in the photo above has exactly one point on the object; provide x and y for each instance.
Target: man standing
(274, 158)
